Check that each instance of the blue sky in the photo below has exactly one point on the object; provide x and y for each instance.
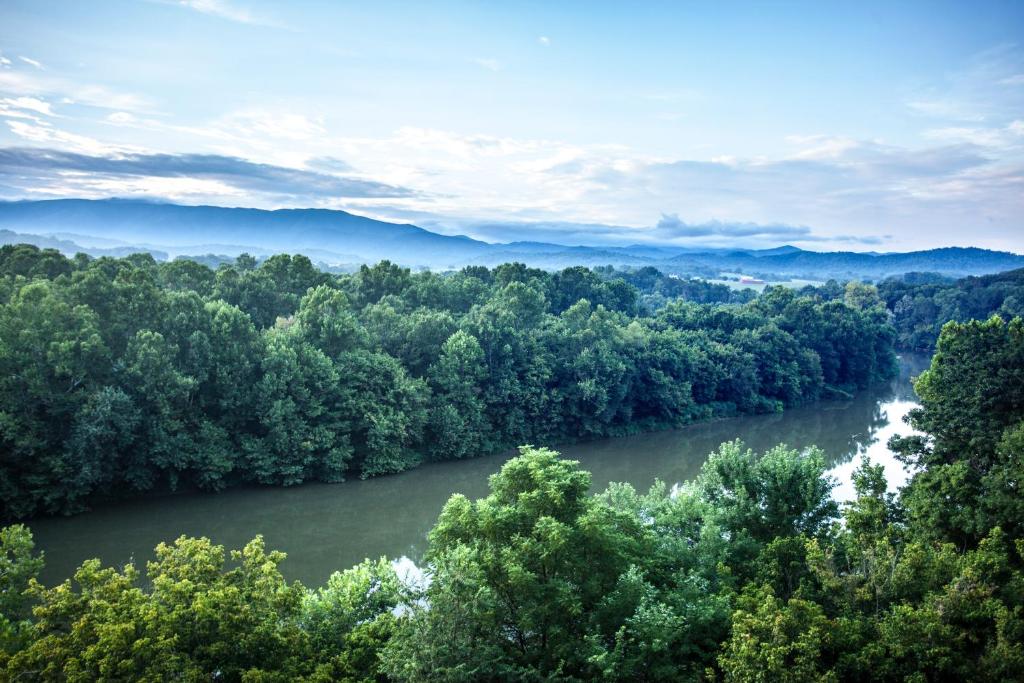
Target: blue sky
(884, 126)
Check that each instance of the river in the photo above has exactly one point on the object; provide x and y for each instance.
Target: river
(327, 527)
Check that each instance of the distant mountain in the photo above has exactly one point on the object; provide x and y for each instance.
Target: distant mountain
(955, 261)
(174, 227)
(70, 248)
(119, 226)
(777, 251)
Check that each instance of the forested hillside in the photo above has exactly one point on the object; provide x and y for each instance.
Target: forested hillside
(123, 376)
(922, 303)
(749, 573)
(338, 238)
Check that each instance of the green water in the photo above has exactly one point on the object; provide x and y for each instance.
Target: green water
(325, 527)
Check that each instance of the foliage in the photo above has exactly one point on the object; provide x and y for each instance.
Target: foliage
(548, 562)
(746, 573)
(126, 376)
(751, 572)
(922, 304)
(19, 567)
(972, 412)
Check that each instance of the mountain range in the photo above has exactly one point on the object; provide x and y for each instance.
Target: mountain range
(337, 238)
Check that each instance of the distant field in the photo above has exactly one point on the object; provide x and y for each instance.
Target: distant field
(732, 280)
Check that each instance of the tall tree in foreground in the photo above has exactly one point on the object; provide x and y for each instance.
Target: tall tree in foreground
(971, 456)
(523, 579)
(19, 567)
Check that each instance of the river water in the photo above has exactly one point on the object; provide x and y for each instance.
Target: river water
(328, 527)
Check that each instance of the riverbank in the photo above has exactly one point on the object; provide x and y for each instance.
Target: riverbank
(325, 527)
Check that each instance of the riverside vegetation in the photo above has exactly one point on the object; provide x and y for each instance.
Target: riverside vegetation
(923, 302)
(749, 573)
(127, 376)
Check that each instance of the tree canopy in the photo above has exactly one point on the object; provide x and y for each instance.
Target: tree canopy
(125, 376)
(751, 572)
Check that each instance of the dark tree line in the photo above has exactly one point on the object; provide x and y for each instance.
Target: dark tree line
(122, 376)
(922, 304)
(658, 289)
(751, 572)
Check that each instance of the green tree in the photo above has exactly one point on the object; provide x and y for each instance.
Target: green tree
(759, 498)
(19, 568)
(972, 409)
(519, 579)
(198, 619)
(457, 426)
(352, 618)
(51, 353)
(774, 640)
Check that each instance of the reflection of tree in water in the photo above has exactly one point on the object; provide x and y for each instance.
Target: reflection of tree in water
(854, 429)
(842, 429)
(847, 429)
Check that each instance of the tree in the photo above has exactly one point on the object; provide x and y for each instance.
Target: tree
(385, 412)
(778, 641)
(972, 406)
(351, 619)
(197, 619)
(19, 568)
(329, 323)
(781, 493)
(51, 354)
(298, 401)
(457, 424)
(372, 283)
(162, 375)
(536, 560)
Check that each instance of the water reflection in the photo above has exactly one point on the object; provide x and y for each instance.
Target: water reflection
(327, 527)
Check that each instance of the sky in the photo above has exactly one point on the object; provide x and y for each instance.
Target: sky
(855, 126)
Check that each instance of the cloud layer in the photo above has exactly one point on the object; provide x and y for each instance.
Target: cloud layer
(959, 180)
(55, 172)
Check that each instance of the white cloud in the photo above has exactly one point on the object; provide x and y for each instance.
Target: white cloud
(87, 186)
(32, 168)
(844, 186)
(488, 63)
(983, 137)
(70, 91)
(821, 146)
(977, 92)
(967, 175)
(284, 125)
(165, 188)
(845, 189)
(122, 118)
(544, 40)
(29, 108)
(282, 136)
(226, 10)
(840, 186)
(28, 104)
(31, 62)
(45, 134)
(946, 109)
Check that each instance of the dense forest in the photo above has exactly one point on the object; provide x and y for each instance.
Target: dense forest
(922, 303)
(749, 573)
(124, 376)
